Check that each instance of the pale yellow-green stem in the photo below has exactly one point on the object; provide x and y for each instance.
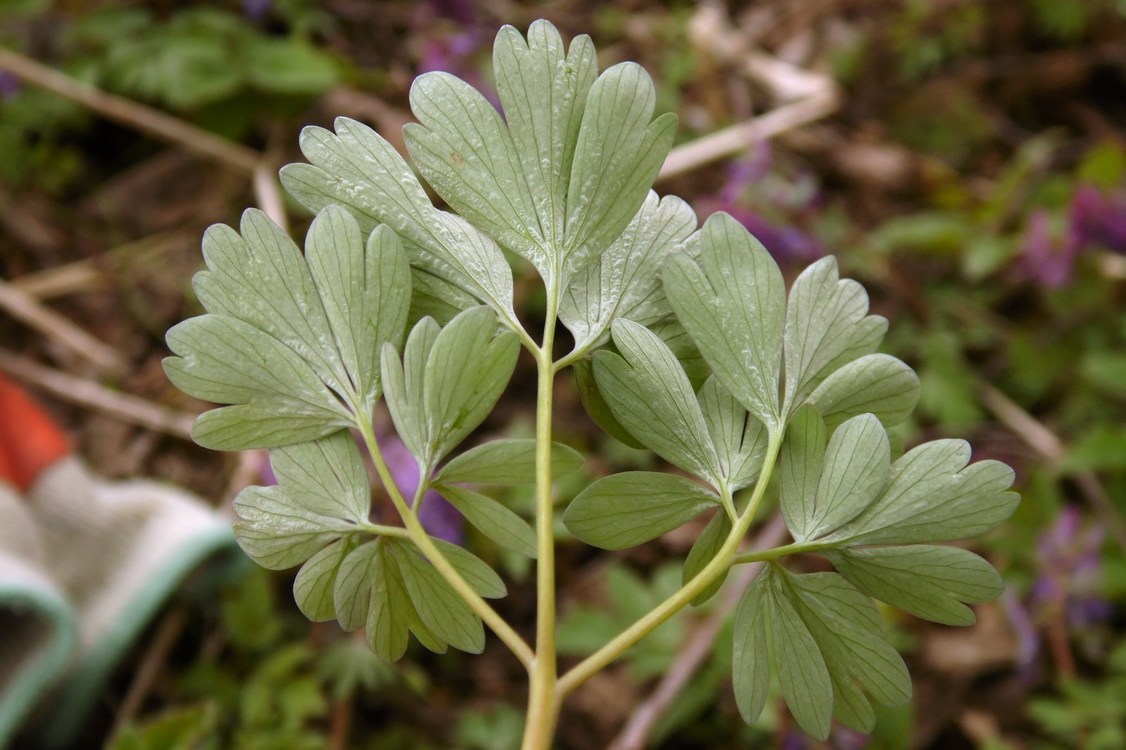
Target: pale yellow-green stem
(430, 550)
(543, 695)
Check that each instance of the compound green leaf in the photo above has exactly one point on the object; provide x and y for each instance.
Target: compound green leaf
(827, 326)
(316, 580)
(289, 335)
(649, 394)
(733, 304)
(596, 407)
(462, 148)
(506, 461)
(928, 581)
(327, 476)
(738, 438)
(875, 383)
(352, 591)
(625, 281)
(767, 621)
(441, 611)
(357, 169)
(448, 381)
(491, 518)
(473, 569)
(389, 617)
(617, 157)
(847, 630)
(800, 469)
(322, 494)
(468, 368)
(703, 551)
(367, 292)
(278, 397)
(853, 471)
(257, 275)
(933, 494)
(543, 92)
(404, 385)
(627, 509)
(278, 532)
(750, 664)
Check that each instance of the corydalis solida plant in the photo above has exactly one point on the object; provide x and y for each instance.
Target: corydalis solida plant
(686, 343)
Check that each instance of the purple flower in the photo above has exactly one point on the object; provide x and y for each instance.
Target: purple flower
(438, 517)
(749, 183)
(1069, 553)
(256, 10)
(9, 85)
(1099, 219)
(1045, 259)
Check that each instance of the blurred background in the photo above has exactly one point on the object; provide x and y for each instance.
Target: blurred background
(965, 160)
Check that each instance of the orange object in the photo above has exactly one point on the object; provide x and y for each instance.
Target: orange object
(30, 441)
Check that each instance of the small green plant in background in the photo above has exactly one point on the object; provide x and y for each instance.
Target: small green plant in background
(685, 341)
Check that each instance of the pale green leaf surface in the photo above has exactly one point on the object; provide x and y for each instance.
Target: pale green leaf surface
(322, 494)
(544, 94)
(491, 518)
(750, 664)
(434, 297)
(359, 170)
(400, 598)
(739, 439)
(853, 471)
(473, 569)
(703, 551)
(848, 633)
(733, 305)
(463, 149)
(287, 334)
(278, 397)
(506, 461)
(352, 591)
(933, 495)
(365, 292)
(800, 469)
(596, 407)
(314, 585)
(258, 275)
(277, 532)
(439, 607)
(649, 394)
(676, 338)
(327, 476)
(928, 581)
(404, 385)
(803, 675)
(617, 157)
(265, 424)
(627, 509)
(467, 370)
(388, 621)
(827, 325)
(874, 383)
(625, 281)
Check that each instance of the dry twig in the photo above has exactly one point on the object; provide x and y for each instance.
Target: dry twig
(58, 328)
(87, 393)
(1045, 442)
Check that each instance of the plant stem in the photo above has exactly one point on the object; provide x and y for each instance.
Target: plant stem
(601, 658)
(423, 541)
(768, 555)
(543, 696)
